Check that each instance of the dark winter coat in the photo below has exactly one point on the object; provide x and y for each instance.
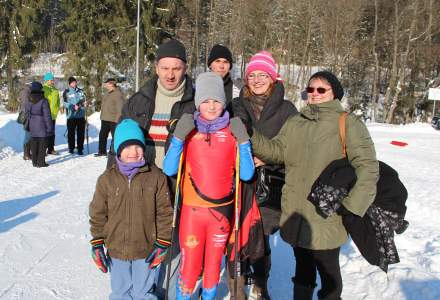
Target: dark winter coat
(373, 234)
(131, 216)
(275, 113)
(40, 120)
(232, 89)
(25, 93)
(140, 107)
(306, 145)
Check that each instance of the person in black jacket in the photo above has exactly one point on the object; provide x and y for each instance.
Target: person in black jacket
(220, 61)
(40, 124)
(261, 105)
(161, 101)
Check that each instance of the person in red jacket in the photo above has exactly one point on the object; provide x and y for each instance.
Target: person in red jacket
(208, 184)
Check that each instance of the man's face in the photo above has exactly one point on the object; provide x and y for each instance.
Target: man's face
(50, 82)
(221, 66)
(171, 72)
(73, 84)
(109, 86)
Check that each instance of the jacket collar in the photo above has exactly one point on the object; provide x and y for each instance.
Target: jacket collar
(315, 111)
(150, 88)
(145, 168)
(272, 105)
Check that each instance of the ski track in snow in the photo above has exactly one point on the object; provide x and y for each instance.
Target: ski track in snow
(44, 230)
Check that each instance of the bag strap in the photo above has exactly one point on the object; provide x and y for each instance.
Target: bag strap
(342, 121)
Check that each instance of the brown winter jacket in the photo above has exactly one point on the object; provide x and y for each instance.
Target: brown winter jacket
(111, 107)
(131, 216)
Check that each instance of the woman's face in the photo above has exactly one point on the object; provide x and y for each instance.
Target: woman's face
(132, 153)
(319, 91)
(211, 109)
(259, 82)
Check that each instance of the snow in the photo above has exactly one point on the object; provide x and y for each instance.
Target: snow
(44, 231)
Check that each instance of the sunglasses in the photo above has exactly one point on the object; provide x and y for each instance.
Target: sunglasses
(320, 90)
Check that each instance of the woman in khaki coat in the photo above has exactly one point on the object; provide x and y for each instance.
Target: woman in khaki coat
(306, 144)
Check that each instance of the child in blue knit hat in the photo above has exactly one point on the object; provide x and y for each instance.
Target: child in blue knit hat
(131, 216)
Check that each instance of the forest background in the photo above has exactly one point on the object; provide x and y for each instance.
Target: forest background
(386, 52)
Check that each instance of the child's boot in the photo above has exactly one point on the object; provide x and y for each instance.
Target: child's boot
(181, 292)
(209, 294)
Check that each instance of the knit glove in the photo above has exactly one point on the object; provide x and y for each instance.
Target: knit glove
(184, 126)
(98, 255)
(238, 130)
(158, 254)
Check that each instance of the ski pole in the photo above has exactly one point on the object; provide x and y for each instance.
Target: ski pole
(87, 131)
(173, 226)
(236, 221)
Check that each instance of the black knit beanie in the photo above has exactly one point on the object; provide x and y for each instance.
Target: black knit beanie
(220, 51)
(171, 48)
(334, 82)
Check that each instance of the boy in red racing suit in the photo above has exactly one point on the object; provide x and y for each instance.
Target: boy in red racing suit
(207, 186)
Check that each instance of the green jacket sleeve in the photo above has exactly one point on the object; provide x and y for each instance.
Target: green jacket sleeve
(362, 156)
(98, 209)
(271, 150)
(164, 211)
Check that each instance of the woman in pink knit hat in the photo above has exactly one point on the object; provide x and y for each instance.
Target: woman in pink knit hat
(261, 105)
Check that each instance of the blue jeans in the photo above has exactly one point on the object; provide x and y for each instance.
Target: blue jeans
(131, 280)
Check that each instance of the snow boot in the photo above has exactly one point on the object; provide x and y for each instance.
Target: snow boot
(302, 292)
(209, 294)
(27, 151)
(180, 295)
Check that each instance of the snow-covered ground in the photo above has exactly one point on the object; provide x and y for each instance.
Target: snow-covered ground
(44, 231)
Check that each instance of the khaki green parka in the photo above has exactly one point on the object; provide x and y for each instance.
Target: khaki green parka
(306, 144)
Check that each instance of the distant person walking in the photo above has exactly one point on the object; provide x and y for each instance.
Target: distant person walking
(40, 124)
(53, 96)
(74, 102)
(111, 108)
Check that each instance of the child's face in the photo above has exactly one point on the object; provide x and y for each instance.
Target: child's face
(211, 109)
(132, 153)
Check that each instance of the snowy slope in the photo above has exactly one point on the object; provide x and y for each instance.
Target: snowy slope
(44, 249)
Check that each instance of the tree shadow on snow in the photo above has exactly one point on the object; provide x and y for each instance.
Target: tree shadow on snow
(423, 289)
(11, 208)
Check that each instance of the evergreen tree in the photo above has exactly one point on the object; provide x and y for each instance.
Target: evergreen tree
(20, 32)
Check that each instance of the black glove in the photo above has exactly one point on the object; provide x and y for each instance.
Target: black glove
(184, 126)
(238, 130)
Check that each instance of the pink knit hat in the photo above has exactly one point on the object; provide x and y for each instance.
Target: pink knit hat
(262, 61)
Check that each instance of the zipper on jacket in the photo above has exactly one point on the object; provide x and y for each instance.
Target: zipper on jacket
(129, 212)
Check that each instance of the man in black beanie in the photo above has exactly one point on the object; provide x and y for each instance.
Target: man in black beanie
(220, 61)
(162, 100)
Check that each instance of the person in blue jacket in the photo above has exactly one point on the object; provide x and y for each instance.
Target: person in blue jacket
(74, 102)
